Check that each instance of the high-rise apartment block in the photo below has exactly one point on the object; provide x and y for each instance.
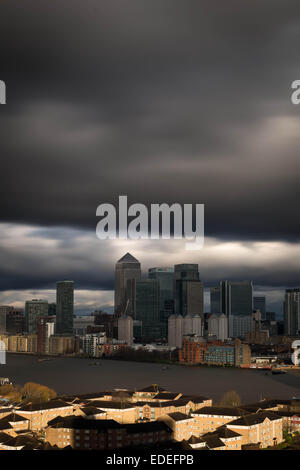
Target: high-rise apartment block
(218, 326)
(291, 308)
(64, 307)
(45, 329)
(33, 310)
(180, 327)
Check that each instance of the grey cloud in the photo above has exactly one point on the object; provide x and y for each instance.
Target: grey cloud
(163, 101)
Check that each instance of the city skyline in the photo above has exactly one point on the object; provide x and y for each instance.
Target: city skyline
(87, 307)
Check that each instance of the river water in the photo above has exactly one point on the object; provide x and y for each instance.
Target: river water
(74, 375)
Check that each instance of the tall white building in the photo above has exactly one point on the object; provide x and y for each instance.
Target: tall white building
(125, 329)
(91, 342)
(218, 326)
(179, 326)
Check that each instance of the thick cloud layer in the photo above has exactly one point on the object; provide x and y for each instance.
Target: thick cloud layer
(34, 258)
(162, 100)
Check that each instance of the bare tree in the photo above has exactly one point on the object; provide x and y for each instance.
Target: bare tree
(231, 398)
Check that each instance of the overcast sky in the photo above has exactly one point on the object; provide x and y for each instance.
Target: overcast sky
(161, 100)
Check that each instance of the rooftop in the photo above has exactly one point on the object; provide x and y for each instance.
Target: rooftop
(128, 258)
(177, 416)
(220, 411)
(254, 418)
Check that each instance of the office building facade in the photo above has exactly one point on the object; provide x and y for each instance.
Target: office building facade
(259, 303)
(189, 290)
(147, 308)
(236, 298)
(215, 300)
(291, 309)
(127, 268)
(64, 307)
(33, 310)
(165, 276)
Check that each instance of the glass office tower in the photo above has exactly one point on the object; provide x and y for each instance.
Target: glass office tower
(259, 303)
(64, 307)
(165, 276)
(215, 300)
(147, 308)
(127, 269)
(189, 291)
(236, 297)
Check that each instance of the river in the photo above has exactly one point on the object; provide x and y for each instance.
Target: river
(74, 375)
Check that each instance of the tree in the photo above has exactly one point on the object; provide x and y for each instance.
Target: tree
(231, 398)
(10, 392)
(37, 393)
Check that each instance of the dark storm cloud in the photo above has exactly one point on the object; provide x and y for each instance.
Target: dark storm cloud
(162, 101)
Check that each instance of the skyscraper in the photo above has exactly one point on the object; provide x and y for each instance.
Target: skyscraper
(125, 329)
(127, 268)
(165, 276)
(215, 300)
(33, 309)
(259, 303)
(291, 308)
(189, 291)
(64, 307)
(236, 298)
(147, 308)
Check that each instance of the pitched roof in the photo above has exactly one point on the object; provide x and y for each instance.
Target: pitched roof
(82, 397)
(115, 405)
(47, 405)
(193, 398)
(220, 411)
(253, 418)
(223, 433)
(14, 418)
(177, 416)
(152, 389)
(195, 440)
(26, 442)
(79, 422)
(91, 410)
(213, 442)
(166, 396)
(4, 437)
(128, 258)
(146, 427)
(265, 404)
